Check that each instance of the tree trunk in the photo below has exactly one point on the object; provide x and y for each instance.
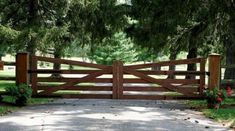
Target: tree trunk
(192, 53)
(56, 66)
(230, 58)
(1, 57)
(192, 47)
(173, 56)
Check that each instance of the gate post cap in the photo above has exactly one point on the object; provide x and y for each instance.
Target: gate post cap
(214, 54)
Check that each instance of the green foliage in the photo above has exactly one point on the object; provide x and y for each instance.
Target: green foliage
(226, 113)
(216, 95)
(221, 114)
(20, 93)
(118, 47)
(145, 54)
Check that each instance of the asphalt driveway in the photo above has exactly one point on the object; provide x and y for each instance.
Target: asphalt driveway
(108, 115)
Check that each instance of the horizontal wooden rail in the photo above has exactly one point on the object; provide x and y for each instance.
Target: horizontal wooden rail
(70, 62)
(97, 80)
(159, 89)
(227, 66)
(46, 71)
(80, 88)
(6, 63)
(130, 80)
(161, 97)
(166, 63)
(7, 78)
(80, 96)
(162, 81)
(172, 72)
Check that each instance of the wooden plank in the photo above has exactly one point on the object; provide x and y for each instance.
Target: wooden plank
(80, 96)
(166, 63)
(158, 89)
(196, 73)
(7, 78)
(34, 79)
(1, 65)
(71, 62)
(96, 80)
(75, 81)
(9, 63)
(202, 76)
(90, 96)
(80, 88)
(228, 66)
(167, 85)
(161, 97)
(214, 69)
(162, 81)
(22, 66)
(50, 71)
(117, 79)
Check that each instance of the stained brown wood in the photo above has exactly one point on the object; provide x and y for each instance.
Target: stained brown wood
(159, 89)
(169, 86)
(161, 81)
(34, 78)
(214, 69)
(22, 66)
(1, 65)
(50, 71)
(80, 88)
(117, 79)
(170, 72)
(75, 81)
(160, 97)
(47, 71)
(8, 63)
(96, 80)
(187, 87)
(202, 76)
(7, 78)
(80, 96)
(71, 62)
(166, 63)
(228, 66)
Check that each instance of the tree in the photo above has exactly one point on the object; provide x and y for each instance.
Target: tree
(118, 47)
(191, 24)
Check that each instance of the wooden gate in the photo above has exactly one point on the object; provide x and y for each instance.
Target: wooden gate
(89, 80)
(162, 87)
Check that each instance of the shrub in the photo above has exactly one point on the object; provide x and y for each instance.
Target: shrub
(215, 97)
(21, 93)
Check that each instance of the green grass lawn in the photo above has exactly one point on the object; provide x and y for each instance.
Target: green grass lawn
(7, 108)
(226, 113)
(4, 109)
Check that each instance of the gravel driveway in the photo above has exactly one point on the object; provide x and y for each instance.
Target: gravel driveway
(107, 115)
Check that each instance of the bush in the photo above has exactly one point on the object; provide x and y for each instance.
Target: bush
(21, 93)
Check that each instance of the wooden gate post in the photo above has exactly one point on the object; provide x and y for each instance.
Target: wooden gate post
(117, 80)
(1, 65)
(22, 66)
(214, 69)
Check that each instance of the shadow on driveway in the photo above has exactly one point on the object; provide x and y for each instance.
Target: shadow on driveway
(108, 115)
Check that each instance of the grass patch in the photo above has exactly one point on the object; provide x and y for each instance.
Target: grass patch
(220, 114)
(7, 109)
(4, 84)
(4, 109)
(226, 113)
